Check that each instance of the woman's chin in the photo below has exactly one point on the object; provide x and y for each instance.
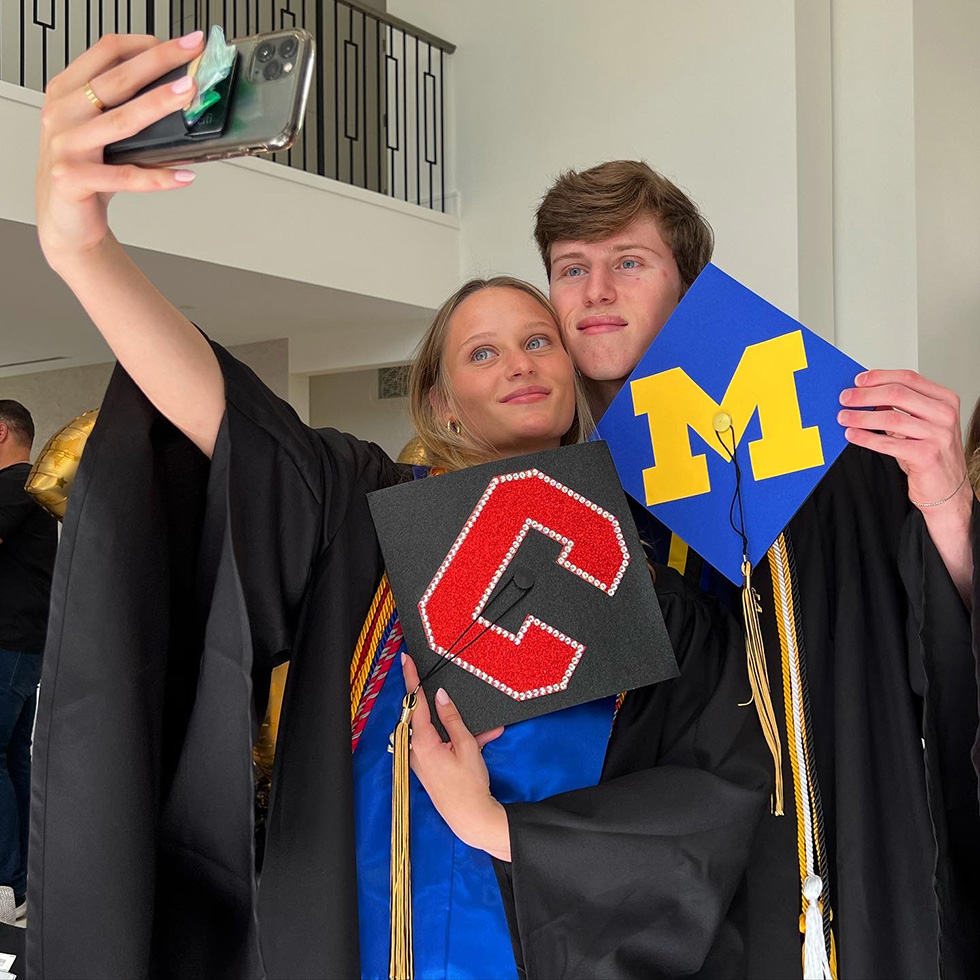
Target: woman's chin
(533, 437)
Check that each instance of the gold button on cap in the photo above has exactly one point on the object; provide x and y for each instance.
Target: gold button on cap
(722, 422)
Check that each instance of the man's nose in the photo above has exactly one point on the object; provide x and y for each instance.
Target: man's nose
(600, 287)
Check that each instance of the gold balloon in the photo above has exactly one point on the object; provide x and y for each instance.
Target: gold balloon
(264, 750)
(413, 452)
(54, 469)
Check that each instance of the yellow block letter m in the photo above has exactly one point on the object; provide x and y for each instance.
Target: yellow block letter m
(763, 380)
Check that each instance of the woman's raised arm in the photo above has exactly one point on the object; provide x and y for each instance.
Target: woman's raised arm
(160, 348)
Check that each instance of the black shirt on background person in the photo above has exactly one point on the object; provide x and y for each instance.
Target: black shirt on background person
(28, 542)
(29, 539)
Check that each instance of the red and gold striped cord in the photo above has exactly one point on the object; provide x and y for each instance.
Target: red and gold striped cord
(379, 613)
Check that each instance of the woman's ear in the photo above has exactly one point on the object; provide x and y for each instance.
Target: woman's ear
(440, 407)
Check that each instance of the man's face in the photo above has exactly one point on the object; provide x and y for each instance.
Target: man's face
(613, 297)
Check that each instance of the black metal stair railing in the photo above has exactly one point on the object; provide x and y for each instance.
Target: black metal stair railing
(376, 114)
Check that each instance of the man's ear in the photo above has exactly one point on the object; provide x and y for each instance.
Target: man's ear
(4, 431)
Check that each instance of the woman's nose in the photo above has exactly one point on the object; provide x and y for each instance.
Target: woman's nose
(518, 363)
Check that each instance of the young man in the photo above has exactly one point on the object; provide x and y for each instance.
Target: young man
(28, 541)
(865, 616)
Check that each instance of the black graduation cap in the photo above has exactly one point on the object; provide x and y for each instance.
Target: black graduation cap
(524, 583)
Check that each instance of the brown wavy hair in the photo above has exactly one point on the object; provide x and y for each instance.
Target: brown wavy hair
(592, 205)
(973, 448)
(442, 448)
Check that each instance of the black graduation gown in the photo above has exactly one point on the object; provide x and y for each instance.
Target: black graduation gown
(893, 698)
(178, 585)
(888, 663)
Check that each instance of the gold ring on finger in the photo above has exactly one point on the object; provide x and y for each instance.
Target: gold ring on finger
(93, 98)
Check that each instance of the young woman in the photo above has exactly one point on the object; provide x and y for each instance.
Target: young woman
(187, 573)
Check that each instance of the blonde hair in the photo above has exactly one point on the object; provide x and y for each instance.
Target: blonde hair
(442, 447)
(973, 448)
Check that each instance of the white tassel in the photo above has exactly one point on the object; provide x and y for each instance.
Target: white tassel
(816, 966)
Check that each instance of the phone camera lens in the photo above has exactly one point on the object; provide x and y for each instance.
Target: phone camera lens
(288, 48)
(273, 70)
(265, 52)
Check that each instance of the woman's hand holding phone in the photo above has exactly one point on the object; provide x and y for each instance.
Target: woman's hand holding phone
(167, 357)
(74, 186)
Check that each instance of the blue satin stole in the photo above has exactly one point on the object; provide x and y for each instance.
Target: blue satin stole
(459, 924)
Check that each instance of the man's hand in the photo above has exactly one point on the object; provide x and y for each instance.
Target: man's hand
(454, 774)
(921, 423)
(918, 422)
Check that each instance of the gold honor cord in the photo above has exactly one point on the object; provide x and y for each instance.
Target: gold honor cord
(755, 651)
(815, 914)
(382, 606)
(401, 958)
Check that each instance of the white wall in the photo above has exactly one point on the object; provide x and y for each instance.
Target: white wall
(833, 144)
(874, 182)
(349, 402)
(263, 217)
(54, 398)
(947, 183)
(704, 90)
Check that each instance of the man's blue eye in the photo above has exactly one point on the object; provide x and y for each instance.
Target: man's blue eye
(574, 271)
(630, 264)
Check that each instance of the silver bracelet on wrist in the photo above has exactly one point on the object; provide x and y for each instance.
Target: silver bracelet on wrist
(945, 500)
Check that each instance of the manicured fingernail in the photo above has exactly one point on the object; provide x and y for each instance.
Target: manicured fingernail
(191, 40)
(840, 417)
(442, 697)
(184, 176)
(182, 84)
(845, 396)
(861, 378)
(404, 658)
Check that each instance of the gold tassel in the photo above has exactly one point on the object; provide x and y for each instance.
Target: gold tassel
(401, 964)
(759, 681)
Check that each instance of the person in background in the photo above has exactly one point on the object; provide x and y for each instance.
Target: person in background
(28, 542)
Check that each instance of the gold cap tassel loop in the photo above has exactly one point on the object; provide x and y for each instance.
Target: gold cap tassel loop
(755, 651)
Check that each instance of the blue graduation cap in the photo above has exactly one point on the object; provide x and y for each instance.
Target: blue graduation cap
(728, 372)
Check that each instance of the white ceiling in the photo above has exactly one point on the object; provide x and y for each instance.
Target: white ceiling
(40, 318)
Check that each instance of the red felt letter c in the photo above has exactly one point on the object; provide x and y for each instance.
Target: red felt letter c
(593, 548)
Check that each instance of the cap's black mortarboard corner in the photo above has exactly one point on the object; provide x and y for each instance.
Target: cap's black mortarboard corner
(722, 431)
(522, 589)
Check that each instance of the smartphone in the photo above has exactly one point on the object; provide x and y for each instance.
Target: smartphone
(261, 109)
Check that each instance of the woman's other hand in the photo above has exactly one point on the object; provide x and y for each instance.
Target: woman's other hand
(74, 186)
(454, 774)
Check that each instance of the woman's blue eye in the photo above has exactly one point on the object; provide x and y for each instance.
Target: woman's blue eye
(536, 343)
(630, 264)
(482, 354)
